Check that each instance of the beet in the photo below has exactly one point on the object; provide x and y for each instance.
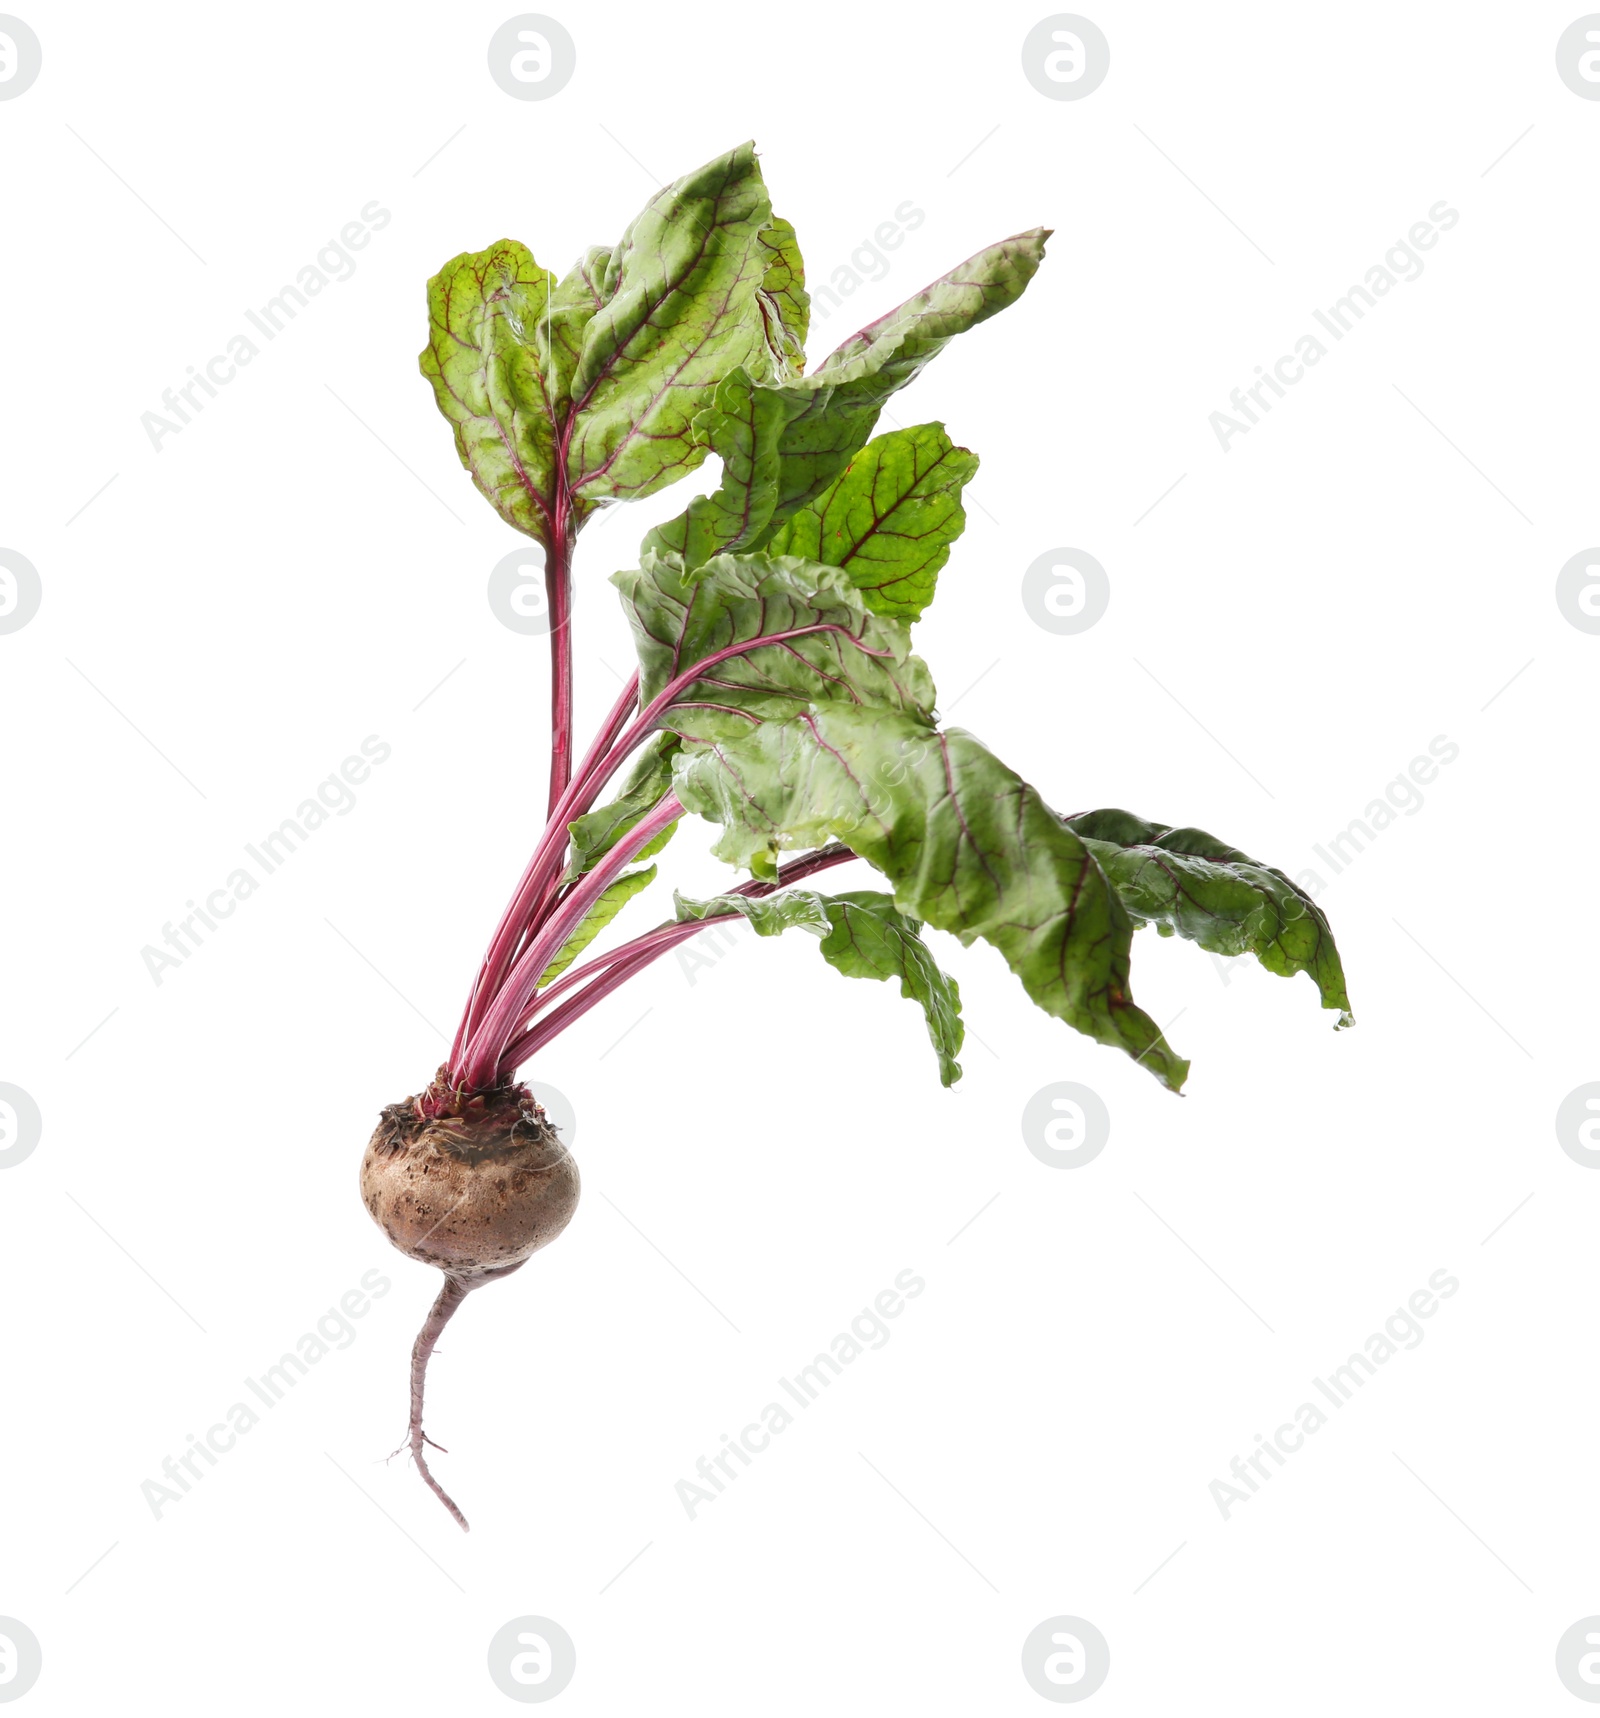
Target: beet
(473, 1186)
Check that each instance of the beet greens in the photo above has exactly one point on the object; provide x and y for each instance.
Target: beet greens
(777, 695)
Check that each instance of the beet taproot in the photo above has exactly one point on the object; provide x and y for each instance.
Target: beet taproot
(474, 1187)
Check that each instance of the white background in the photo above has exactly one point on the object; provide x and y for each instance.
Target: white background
(1322, 600)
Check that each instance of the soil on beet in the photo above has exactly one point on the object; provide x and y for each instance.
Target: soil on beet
(478, 1188)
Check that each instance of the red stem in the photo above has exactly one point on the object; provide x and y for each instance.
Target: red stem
(521, 912)
(558, 591)
(532, 901)
(618, 965)
(504, 1013)
(540, 881)
(577, 1006)
(627, 702)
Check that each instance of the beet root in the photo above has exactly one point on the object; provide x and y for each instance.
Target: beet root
(474, 1190)
(473, 1186)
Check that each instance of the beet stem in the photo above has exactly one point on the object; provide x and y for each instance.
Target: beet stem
(558, 587)
(536, 897)
(622, 963)
(503, 1017)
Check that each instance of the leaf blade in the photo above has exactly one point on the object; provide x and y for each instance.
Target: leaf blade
(848, 389)
(968, 846)
(679, 311)
(888, 519)
(782, 448)
(863, 935)
(744, 427)
(596, 832)
(767, 915)
(872, 938)
(488, 380)
(610, 902)
(1194, 886)
(834, 648)
(785, 303)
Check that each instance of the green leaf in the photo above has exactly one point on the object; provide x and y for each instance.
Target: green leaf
(572, 307)
(610, 903)
(785, 303)
(783, 445)
(768, 915)
(863, 935)
(871, 938)
(968, 846)
(491, 377)
(654, 846)
(888, 519)
(613, 363)
(678, 310)
(1188, 883)
(680, 619)
(848, 389)
(598, 831)
(743, 427)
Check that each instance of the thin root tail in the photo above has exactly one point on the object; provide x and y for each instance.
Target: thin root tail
(455, 1290)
